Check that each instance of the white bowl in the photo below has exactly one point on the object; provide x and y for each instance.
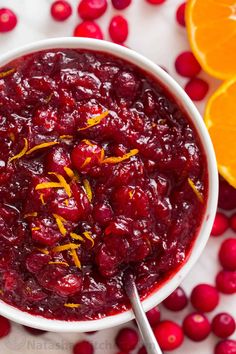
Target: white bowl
(166, 288)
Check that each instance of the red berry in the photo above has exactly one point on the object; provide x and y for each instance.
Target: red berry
(177, 301)
(221, 224)
(127, 339)
(196, 326)
(223, 325)
(204, 297)
(155, 2)
(227, 254)
(226, 347)
(92, 9)
(83, 347)
(5, 327)
(88, 29)
(187, 65)
(61, 10)
(34, 331)
(226, 282)
(197, 89)
(118, 29)
(121, 4)
(153, 316)
(169, 335)
(180, 14)
(142, 350)
(8, 20)
(227, 195)
(232, 222)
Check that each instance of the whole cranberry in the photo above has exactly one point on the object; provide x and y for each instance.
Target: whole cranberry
(121, 4)
(127, 339)
(176, 301)
(153, 316)
(226, 347)
(61, 10)
(221, 224)
(197, 89)
(68, 285)
(56, 160)
(227, 195)
(180, 14)
(169, 335)
(118, 29)
(204, 297)
(83, 347)
(232, 222)
(88, 29)
(223, 325)
(187, 65)
(196, 326)
(156, 2)
(5, 327)
(8, 20)
(226, 282)
(125, 85)
(227, 254)
(91, 9)
(86, 155)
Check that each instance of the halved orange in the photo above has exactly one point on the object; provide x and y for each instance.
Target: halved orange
(220, 119)
(211, 26)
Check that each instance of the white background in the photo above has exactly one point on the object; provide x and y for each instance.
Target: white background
(154, 33)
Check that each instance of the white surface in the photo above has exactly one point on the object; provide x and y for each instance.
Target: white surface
(154, 33)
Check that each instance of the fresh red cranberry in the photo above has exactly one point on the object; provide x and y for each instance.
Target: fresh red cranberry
(227, 195)
(204, 297)
(127, 339)
(83, 347)
(34, 331)
(232, 222)
(196, 326)
(56, 160)
(61, 10)
(118, 29)
(169, 335)
(227, 254)
(223, 325)
(86, 155)
(8, 20)
(121, 4)
(176, 301)
(226, 282)
(88, 29)
(221, 224)
(155, 2)
(187, 65)
(5, 327)
(142, 350)
(180, 14)
(153, 316)
(197, 89)
(91, 9)
(226, 347)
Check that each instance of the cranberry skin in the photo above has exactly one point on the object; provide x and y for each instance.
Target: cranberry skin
(92, 9)
(83, 347)
(223, 325)
(156, 2)
(226, 347)
(34, 331)
(88, 29)
(8, 20)
(84, 156)
(221, 224)
(68, 285)
(36, 261)
(121, 4)
(180, 14)
(227, 254)
(232, 222)
(56, 160)
(176, 301)
(197, 89)
(153, 316)
(226, 282)
(127, 339)
(204, 297)
(196, 326)
(61, 10)
(118, 29)
(169, 335)
(227, 195)
(102, 213)
(125, 85)
(5, 327)
(187, 65)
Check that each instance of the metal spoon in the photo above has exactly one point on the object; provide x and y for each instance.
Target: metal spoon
(149, 339)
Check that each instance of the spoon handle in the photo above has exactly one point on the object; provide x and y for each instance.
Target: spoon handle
(149, 339)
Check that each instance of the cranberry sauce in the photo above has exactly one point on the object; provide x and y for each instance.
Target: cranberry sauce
(100, 171)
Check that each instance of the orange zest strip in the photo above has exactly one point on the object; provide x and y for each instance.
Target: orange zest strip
(43, 250)
(30, 215)
(46, 185)
(66, 202)
(87, 142)
(87, 234)
(86, 162)
(42, 146)
(102, 155)
(75, 258)
(63, 182)
(60, 263)
(91, 122)
(35, 228)
(88, 189)
(131, 194)
(66, 137)
(41, 197)
(72, 305)
(21, 153)
(48, 99)
(121, 158)
(12, 136)
(76, 236)
(6, 73)
(195, 190)
(59, 221)
(68, 246)
(69, 172)
(1, 292)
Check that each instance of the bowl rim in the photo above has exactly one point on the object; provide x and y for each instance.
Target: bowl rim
(184, 101)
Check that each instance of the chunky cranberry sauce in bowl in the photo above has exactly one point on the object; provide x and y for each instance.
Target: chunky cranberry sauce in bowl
(105, 166)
